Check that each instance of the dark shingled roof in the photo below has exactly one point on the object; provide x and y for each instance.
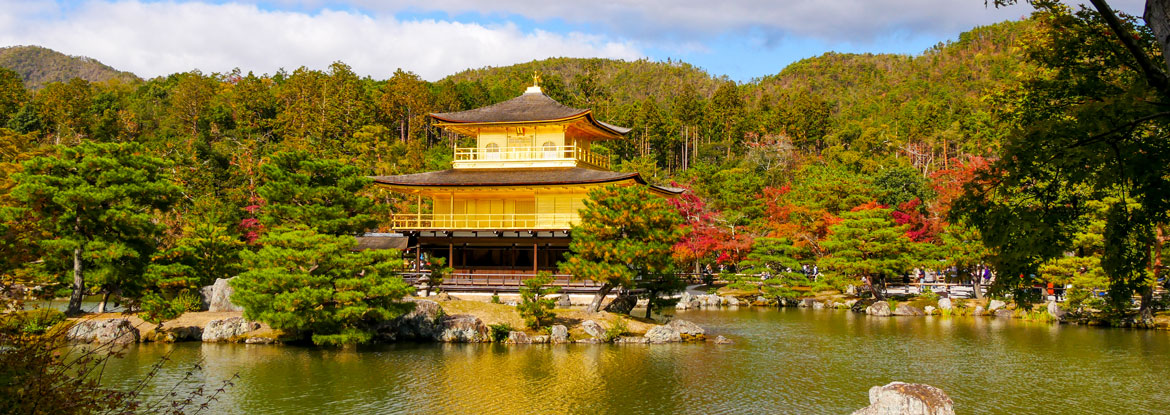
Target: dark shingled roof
(382, 241)
(515, 177)
(507, 177)
(530, 107)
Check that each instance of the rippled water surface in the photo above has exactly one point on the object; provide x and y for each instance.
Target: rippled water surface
(783, 361)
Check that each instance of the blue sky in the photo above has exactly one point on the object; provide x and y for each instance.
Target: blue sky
(742, 39)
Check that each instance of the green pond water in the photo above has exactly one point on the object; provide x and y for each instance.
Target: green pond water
(783, 361)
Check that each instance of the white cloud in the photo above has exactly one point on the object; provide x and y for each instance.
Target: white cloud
(152, 39)
(853, 21)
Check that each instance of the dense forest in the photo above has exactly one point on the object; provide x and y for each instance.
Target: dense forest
(833, 161)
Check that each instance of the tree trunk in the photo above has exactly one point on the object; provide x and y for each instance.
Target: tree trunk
(78, 285)
(105, 299)
(877, 294)
(977, 285)
(595, 306)
(650, 303)
(1157, 17)
(1146, 310)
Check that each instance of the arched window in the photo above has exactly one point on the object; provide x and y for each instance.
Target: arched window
(492, 151)
(550, 149)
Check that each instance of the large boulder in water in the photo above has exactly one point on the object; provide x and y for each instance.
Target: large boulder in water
(105, 331)
(944, 304)
(860, 306)
(558, 334)
(622, 304)
(462, 328)
(593, 329)
(425, 321)
(518, 337)
(217, 297)
(688, 331)
(908, 310)
(1055, 311)
(663, 334)
(228, 330)
(879, 308)
(995, 305)
(899, 398)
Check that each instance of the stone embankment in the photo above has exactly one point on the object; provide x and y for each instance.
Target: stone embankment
(427, 322)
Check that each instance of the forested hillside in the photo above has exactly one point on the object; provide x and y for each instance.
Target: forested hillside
(38, 66)
(778, 163)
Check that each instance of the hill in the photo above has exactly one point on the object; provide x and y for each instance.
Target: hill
(38, 66)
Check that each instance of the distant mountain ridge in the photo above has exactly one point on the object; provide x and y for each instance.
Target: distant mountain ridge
(38, 66)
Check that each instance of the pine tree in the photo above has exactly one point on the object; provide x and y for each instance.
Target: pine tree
(624, 239)
(534, 307)
(299, 188)
(314, 284)
(868, 244)
(98, 202)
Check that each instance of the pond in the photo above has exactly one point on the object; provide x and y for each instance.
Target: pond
(783, 361)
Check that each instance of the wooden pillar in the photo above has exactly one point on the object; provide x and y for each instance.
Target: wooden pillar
(535, 257)
(450, 254)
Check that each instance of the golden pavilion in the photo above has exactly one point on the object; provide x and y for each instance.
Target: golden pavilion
(503, 212)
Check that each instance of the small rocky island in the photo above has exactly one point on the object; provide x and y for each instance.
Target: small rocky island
(439, 318)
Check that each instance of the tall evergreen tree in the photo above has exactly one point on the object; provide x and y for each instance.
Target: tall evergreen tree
(624, 240)
(322, 194)
(314, 284)
(868, 244)
(98, 202)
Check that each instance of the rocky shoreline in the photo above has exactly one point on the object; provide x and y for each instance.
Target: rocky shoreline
(428, 322)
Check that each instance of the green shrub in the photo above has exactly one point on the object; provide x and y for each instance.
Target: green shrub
(499, 332)
(616, 329)
(34, 321)
(534, 307)
(495, 298)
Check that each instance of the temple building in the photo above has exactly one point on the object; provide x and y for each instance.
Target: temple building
(504, 210)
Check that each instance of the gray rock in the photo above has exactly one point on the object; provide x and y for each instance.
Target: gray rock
(944, 304)
(806, 303)
(591, 340)
(260, 340)
(228, 330)
(908, 310)
(105, 331)
(218, 296)
(722, 340)
(978, 311)
(424, 322)
(817, 305)
(517, 337)
(559, 334)
(631, 340)
(663, 334)
(851, 290)
(1055, 311)
(541, 339)
(861, 306)
(995, 305)
(899, 398)
(563, 301)
(463, 328)
(929, 310)
(1002, 313)
(879, 308)
(687, 330)
(593, 329)
(850, 303)
(622, 304)
(712, 300)
(731, 301)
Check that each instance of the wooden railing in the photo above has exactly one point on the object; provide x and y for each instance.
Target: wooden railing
(484, 221)
(540, 153)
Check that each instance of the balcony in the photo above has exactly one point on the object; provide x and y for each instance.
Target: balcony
(544, 156)
(484, 221)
